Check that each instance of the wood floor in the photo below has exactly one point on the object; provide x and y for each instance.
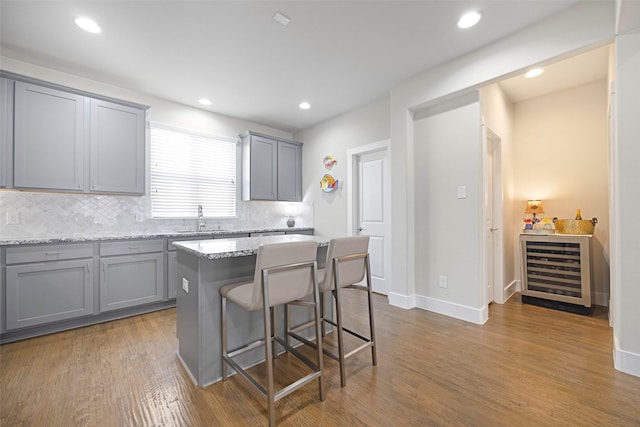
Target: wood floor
(528, 366)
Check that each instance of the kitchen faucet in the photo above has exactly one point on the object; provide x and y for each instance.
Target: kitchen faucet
(202, 224)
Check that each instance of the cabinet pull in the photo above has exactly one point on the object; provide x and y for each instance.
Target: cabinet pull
(134, 248)
(102, 266)
(52, 254)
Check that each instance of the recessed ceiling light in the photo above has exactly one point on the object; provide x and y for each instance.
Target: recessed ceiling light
(304, 105)
(469, 19)
(534, 73)
(281, 18)
(204, 101)
(88, 24)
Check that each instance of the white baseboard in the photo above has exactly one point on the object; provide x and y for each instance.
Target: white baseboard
(469, 314)
(509, 290)
(478, 316)
(600, 298)
(625, 361)
(402, 301)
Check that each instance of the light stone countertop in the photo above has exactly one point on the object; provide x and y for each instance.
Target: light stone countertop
(134, 236)
(243, 246)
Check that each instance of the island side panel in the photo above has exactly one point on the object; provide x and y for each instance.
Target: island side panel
(187, 317)
(242, 326)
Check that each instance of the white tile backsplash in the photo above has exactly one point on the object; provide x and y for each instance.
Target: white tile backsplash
(66, 215)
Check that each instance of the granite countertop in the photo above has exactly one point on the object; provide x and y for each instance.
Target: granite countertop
(136, 236)
(244, 246)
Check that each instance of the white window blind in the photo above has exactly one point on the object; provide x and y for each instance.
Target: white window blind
(190, 169)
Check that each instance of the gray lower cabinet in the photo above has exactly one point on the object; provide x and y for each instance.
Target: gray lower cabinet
(44, 284)
(48, 138)
(131, 274)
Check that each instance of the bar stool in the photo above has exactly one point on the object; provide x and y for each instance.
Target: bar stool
(284, 272)
(347, 265)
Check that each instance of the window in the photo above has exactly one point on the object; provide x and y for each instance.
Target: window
(190, 169)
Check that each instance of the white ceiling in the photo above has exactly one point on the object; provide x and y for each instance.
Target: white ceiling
(574, 71)
(337, 55)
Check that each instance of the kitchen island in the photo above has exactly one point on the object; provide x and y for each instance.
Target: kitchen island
(205, 266)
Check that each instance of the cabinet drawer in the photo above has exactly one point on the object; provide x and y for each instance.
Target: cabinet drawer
(39, 253)
(131, 247)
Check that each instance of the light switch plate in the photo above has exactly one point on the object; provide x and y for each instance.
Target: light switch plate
(444, 282)
(13, 218)
(462, 191)
(185, 285)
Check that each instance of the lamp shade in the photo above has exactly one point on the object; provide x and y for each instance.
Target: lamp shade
(534, 206)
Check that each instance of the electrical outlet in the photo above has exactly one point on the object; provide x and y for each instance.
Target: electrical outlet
(185, 285)
(444, 282)
(13, 218)
(139, 217)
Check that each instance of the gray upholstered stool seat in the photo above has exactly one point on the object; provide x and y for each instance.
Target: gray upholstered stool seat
(284, 272)
(346, 266)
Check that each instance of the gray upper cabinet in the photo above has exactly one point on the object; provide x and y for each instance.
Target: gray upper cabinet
(259, 168)
(289, 171)
(62, 139)
(48, 138)
(117, 148)
(6, 129)
(271, 168)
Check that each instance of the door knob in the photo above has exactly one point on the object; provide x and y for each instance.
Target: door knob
(360, 229)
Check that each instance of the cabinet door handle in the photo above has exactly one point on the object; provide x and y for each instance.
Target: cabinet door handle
(52, 254)
(102, 266)
(134, 248)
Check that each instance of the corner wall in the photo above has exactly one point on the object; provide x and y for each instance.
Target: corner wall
(362, 126)
(625, 239)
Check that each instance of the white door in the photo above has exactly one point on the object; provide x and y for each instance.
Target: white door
(371, 212)
(493, 218)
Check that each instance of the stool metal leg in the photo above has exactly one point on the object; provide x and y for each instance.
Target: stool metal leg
(336, 293)
(223, 311)
(372, 328)
(268, 346)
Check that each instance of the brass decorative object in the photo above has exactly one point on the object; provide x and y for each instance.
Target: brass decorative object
(576, 226)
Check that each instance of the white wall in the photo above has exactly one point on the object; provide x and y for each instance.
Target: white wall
(497, 111)
(625, 238)
(561, 157)
(334, 137)
(61, 214)
(580, 27)
(448, 228)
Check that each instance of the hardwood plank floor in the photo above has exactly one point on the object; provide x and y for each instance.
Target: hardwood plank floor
(528, 366)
